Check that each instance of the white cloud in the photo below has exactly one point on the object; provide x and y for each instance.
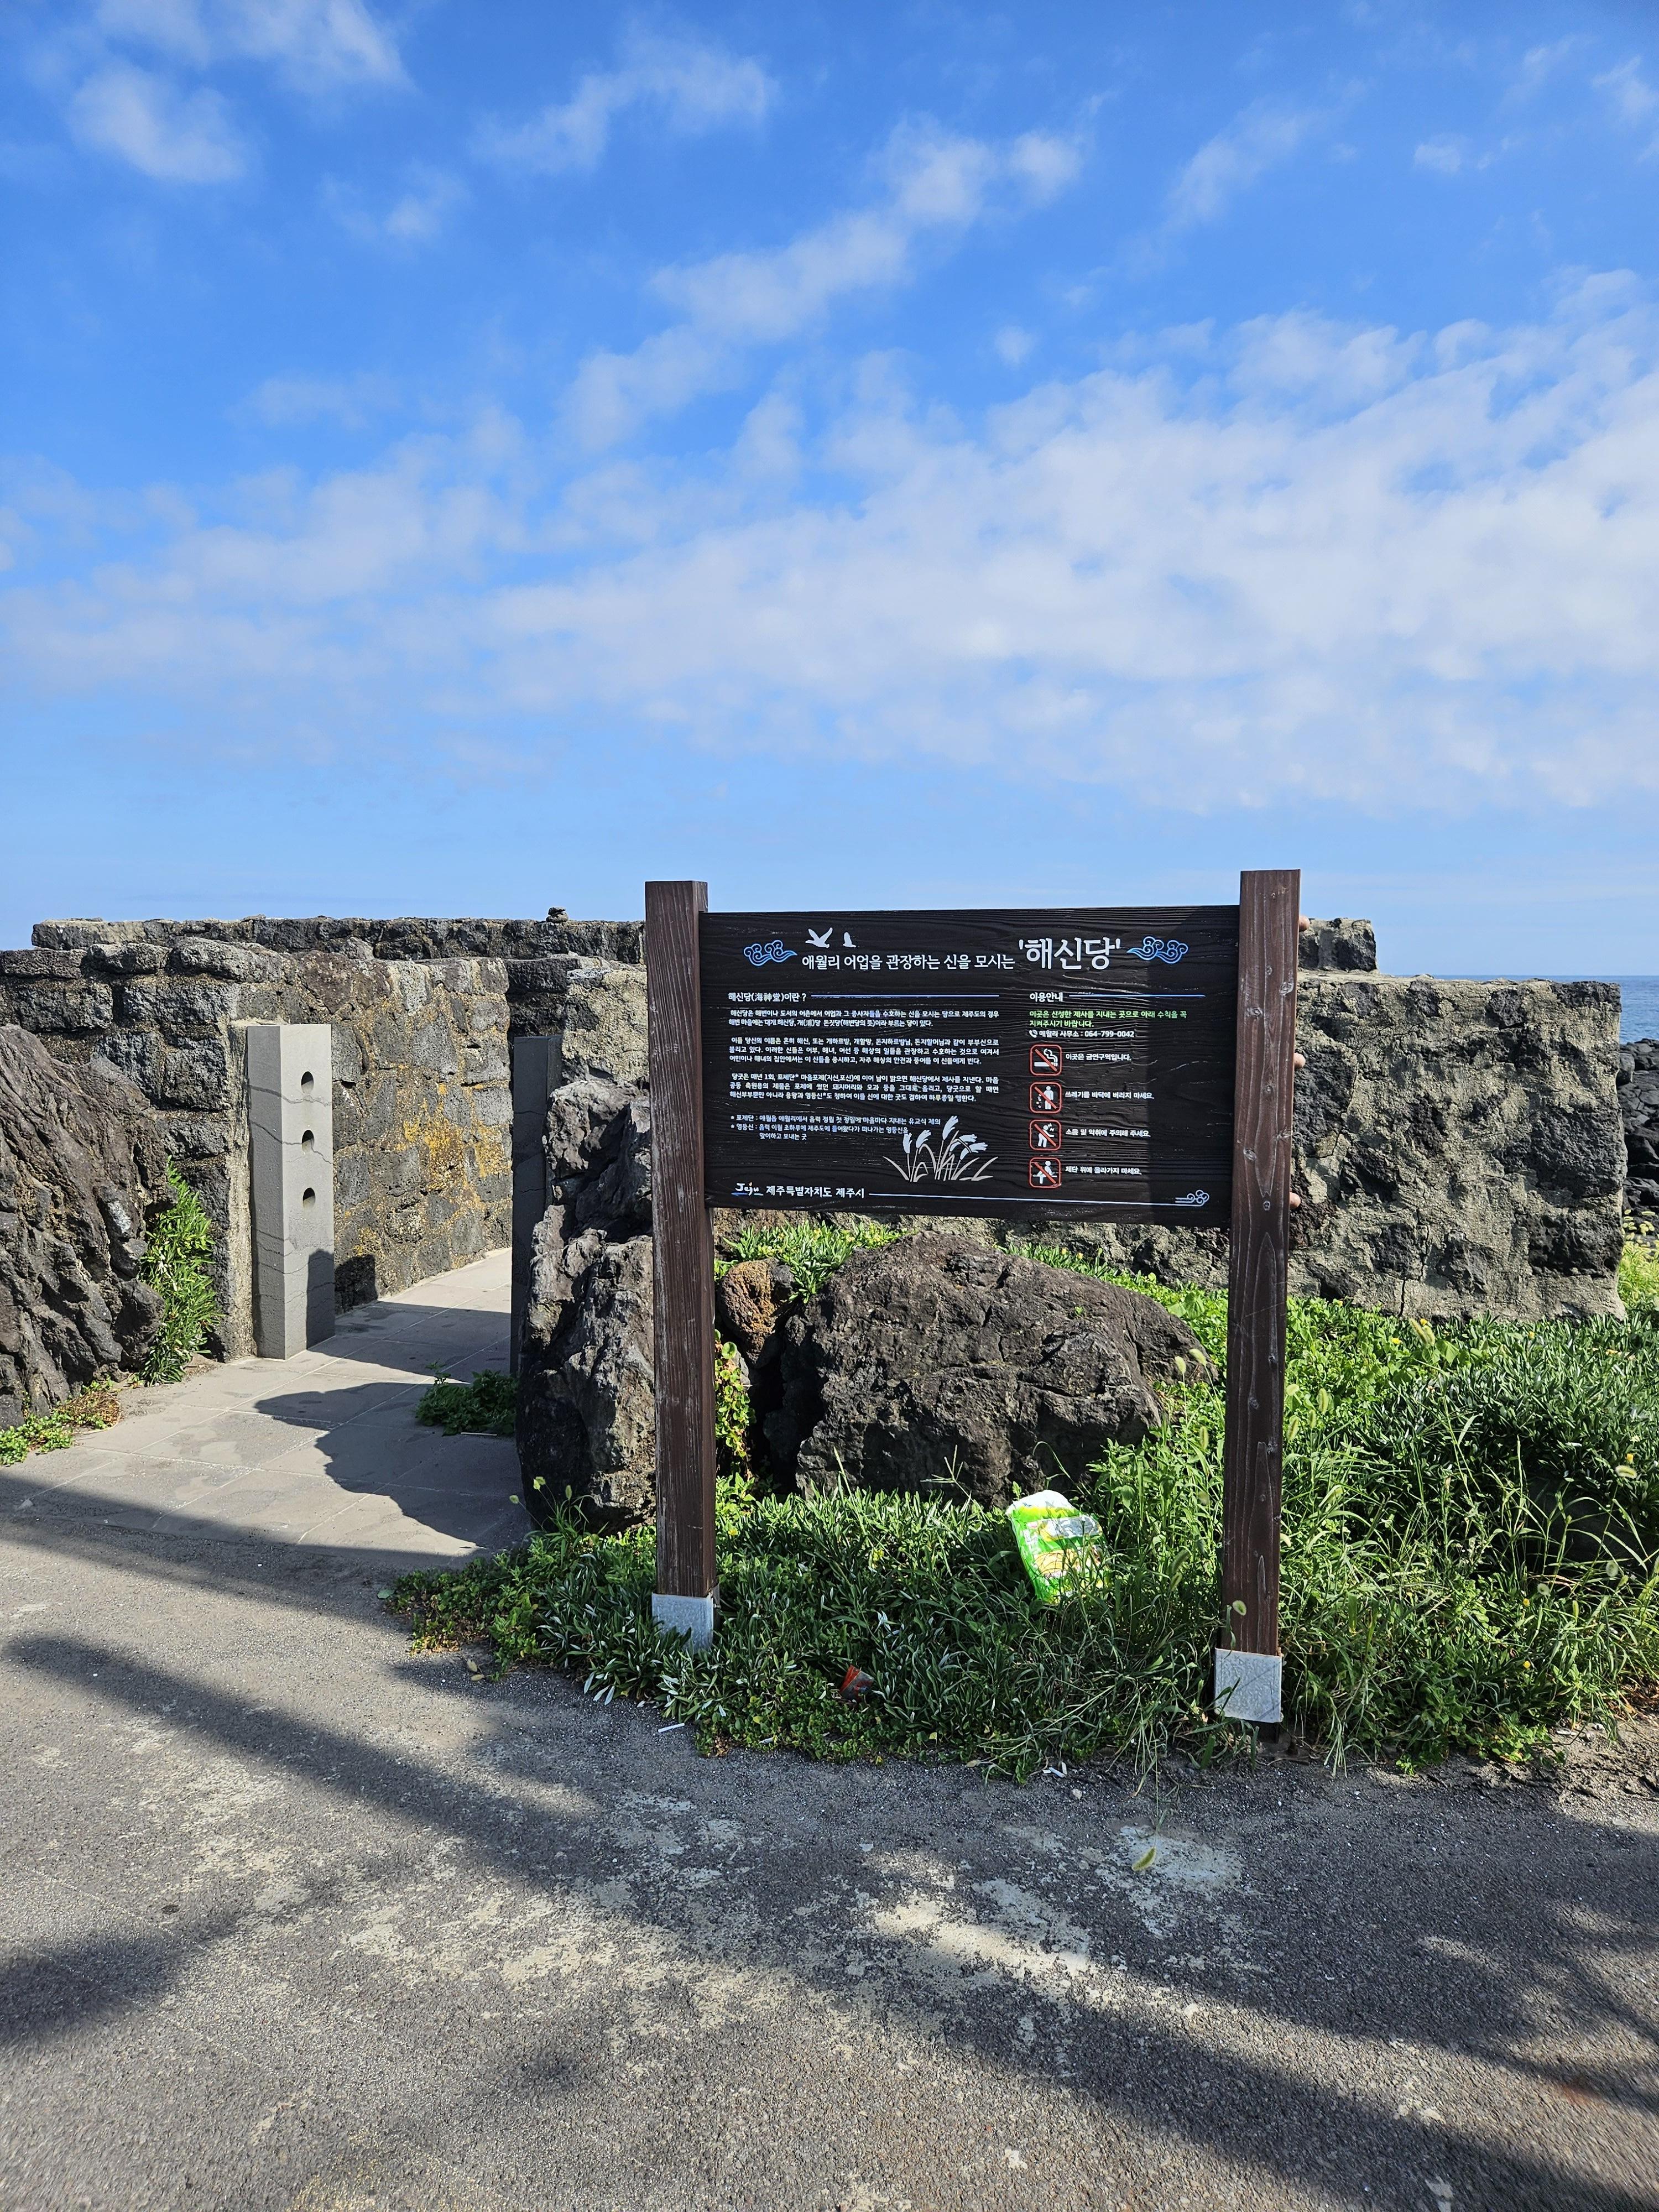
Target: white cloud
(143, 112)
(1447, 157)
(319, 44)
(353, 401)
(1294, 559)
(693, 87)
(1631, 98)
(1263, 138)
(935, 184)
(414, 216)
(1012, 344)
(1538, 65)
(180, 137)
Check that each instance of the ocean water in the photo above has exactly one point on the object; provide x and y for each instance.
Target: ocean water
(1639, 998)
(1640, 1017)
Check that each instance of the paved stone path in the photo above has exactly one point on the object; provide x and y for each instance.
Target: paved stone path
(323, 1449)
(294, 1921)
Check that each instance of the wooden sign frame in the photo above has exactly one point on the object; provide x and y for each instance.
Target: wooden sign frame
(1248, 1668)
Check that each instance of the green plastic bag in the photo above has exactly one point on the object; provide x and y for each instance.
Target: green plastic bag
(1054, 1541)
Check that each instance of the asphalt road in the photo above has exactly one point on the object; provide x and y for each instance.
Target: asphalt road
(293, 1919)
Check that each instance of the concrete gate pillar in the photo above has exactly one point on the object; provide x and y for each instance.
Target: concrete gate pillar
(290, 1084)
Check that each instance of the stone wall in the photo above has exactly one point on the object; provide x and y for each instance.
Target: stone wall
(1459, 1146)
(81, 1168)
(1638, 1102)
(540, 958)
(1459, 1149)
(421, 1013)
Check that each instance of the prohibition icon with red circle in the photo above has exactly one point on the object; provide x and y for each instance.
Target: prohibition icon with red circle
(1045, 1173)
(1046, 1058)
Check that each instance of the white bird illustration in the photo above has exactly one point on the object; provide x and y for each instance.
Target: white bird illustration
(846, 940)
(821, 937)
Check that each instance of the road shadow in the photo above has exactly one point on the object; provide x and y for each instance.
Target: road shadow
(1519, 1944)
(418, 1337)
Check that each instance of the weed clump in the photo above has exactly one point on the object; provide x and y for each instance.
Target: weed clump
(175, 1263)
(97, 1406)
(813, 1249)
(487, 1406)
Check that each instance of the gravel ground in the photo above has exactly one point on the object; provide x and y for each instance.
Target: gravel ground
(294, 1919)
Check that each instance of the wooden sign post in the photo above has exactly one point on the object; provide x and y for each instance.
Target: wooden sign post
(1073, 1063)
(1248, 1668)
(683, 1265)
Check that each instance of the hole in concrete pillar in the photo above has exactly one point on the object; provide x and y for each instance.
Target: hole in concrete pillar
(308, 1142)
(308, 1081)
(308, 1198)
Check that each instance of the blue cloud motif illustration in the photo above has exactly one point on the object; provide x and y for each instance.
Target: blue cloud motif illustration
(758, 955)
(1194, 1197)
(1160, 948)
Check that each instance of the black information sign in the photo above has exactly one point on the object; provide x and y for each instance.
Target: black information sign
(1064, 1061)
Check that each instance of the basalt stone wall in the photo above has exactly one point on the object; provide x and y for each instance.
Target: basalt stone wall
(81, 1169)
(539, 958)
(1459, 1149)
(1638, 1102)
(421, 1012)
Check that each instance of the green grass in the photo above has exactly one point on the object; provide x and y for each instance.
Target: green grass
(487, 1406)
(1638, 1271)
(1471, 1558)
(813, 1249)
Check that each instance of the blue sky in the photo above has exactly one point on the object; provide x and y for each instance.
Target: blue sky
(469, 457)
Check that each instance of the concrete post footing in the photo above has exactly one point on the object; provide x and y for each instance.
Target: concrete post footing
(1248, 1685)
(692, 1617)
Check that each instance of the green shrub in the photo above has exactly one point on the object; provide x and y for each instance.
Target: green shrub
(733, 1415)
(1471, 1521)
(175, 1263)
(487, 1406)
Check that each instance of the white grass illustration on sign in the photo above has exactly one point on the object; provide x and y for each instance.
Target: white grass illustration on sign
(952, 1156)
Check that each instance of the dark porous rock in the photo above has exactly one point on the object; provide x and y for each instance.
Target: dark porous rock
(586, 1408)
(936, 1364)
(753, 1300)
(82, 1165)
(1458, 1150)
(1343, 944)
(1638, 1107)
(587, 1419)
(750, 1300)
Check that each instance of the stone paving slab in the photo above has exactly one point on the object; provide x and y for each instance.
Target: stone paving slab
(293, 1920)
(284, 1450)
